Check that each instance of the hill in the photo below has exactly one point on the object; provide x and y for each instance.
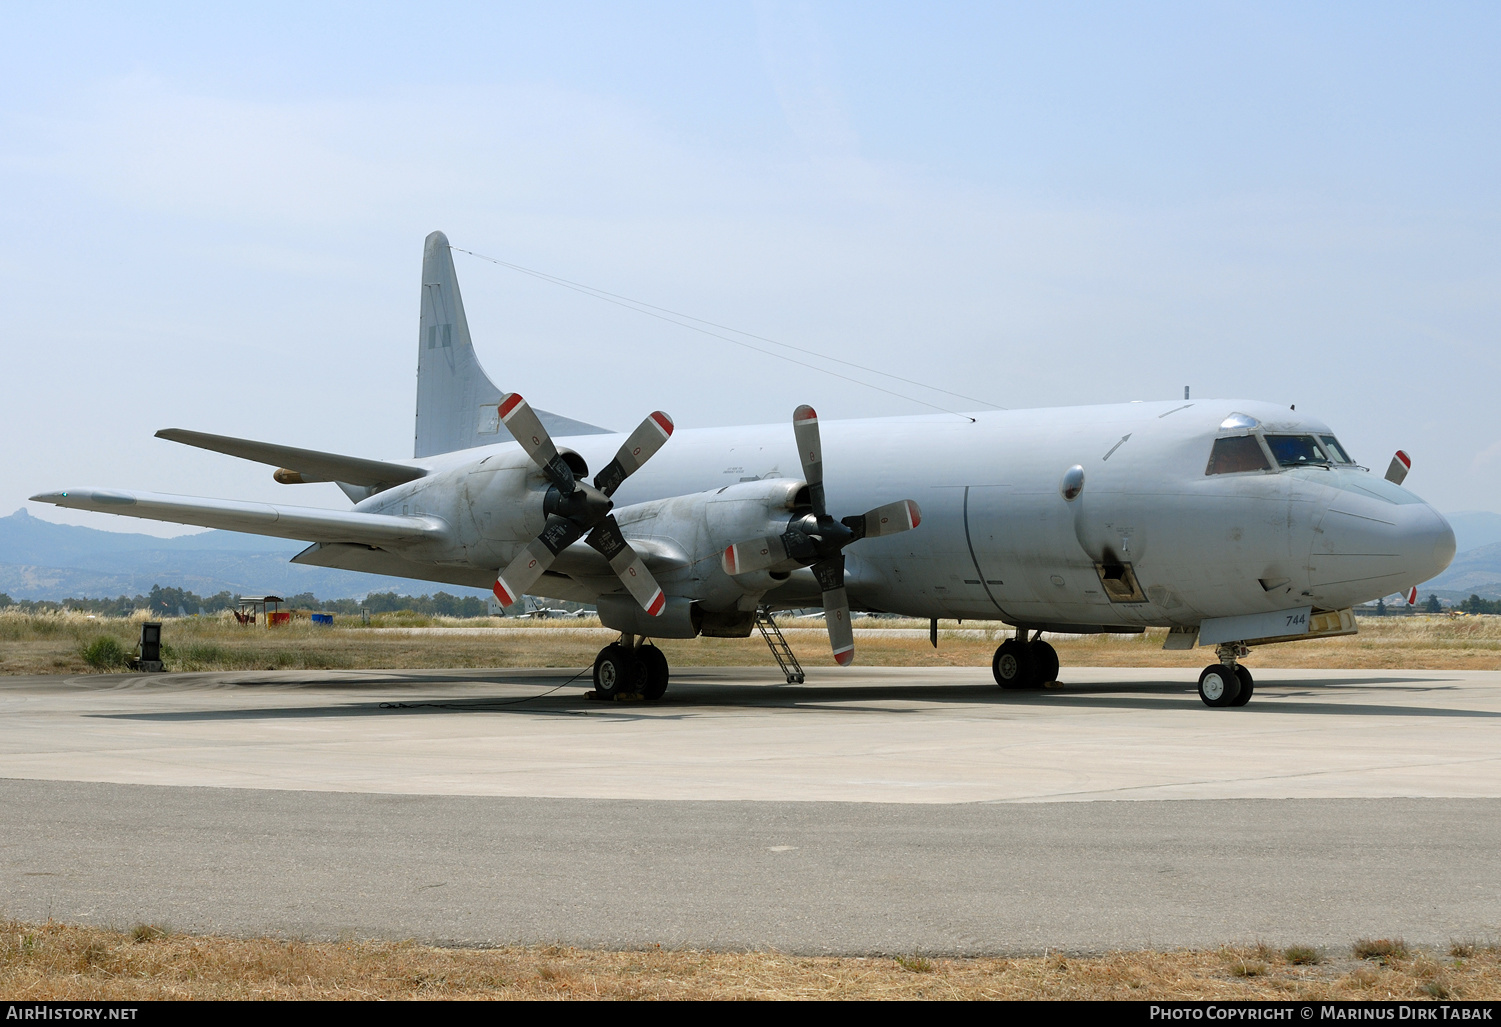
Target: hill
(43, 560)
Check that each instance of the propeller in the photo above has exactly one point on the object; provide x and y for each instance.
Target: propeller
(1396, 471)
(817, 540)
(574, 507)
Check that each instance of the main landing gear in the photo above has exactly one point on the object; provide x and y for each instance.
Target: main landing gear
(1023, 663)
(1227, 683)
(630, 667)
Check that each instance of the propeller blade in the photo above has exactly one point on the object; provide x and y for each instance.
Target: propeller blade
(524, 424)
(643, 444)
(1400, 465)
(810, 452)
(1412, 596)
(522, 573)
(836, 608)
(836, 613)
(755, 555)
(902, 515)
(627, 565)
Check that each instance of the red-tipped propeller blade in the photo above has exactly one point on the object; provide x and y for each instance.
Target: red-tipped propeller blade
(1396, 473)
(523, 423)
(836, 608)
(522, 573)
(756, 555)
(810, 452)
(627, 565)
(650, 435)
(903, 515)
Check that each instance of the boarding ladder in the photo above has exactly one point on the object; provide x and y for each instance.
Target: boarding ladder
(779, 647)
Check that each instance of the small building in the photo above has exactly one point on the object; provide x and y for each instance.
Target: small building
(262, 610)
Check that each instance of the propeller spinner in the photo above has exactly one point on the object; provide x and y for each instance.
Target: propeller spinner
(817, 540)
(574, 507)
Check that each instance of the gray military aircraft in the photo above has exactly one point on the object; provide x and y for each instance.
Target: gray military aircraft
(1232, 523)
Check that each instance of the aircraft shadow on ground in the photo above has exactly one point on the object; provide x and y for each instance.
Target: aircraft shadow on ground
(689, 698)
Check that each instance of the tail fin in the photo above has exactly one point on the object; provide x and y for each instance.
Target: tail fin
(456, 401)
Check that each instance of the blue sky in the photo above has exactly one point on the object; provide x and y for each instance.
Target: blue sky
(214, 219)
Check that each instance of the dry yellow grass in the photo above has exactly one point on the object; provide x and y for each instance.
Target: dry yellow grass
(58, 962)
(53, 644)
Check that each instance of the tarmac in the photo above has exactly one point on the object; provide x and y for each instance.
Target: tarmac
(867, 810)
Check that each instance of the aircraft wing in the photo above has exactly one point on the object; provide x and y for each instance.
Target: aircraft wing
(308, 524)
(309, 463)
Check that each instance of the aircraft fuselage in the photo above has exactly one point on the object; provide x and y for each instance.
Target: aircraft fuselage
(998, 538)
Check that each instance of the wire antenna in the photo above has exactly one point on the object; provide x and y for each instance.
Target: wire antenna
(714, 330)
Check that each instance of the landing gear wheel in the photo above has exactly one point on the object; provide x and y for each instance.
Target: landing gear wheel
(1012, 665)
(655, 663)
(1044, 661)
(617, 671)
(1218, 685)
(1247, 686)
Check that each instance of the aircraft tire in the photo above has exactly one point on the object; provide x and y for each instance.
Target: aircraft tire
(1044, 661)
(1247, 685)
(655, 664)
(1012, 665)
(617, 671)
(1218, 685)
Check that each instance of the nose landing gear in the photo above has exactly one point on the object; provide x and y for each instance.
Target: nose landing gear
(1227, 683)
(630, 668)
(1020, 663)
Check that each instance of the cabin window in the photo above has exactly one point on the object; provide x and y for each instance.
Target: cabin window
(1335, 450)
(1239, 453)
(1296, 450)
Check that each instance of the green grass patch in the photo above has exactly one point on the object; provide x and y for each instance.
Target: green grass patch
(104, 653)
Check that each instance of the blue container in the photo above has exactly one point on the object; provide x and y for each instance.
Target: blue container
(323, 618)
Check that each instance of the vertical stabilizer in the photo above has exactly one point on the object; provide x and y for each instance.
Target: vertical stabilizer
(456, 401)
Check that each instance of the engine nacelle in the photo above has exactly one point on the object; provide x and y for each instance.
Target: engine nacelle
(703, 525)
(507, 495)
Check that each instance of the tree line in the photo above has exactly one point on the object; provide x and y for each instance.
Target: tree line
(172, 602)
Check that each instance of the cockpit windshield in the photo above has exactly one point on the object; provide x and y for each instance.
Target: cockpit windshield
(1335, 450)
(1296, 450)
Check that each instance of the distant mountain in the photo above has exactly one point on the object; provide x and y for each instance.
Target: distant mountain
(1474, 529)
(43, 560)
(1475, 572)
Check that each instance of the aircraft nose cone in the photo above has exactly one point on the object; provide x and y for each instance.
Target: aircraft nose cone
(1442, 552)
(1368, 548)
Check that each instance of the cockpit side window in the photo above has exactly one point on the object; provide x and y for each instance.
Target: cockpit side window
(1235, 454)
(1335, 450)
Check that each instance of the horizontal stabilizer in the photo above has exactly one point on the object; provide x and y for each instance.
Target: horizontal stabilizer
(298, 522)
(310, 464)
